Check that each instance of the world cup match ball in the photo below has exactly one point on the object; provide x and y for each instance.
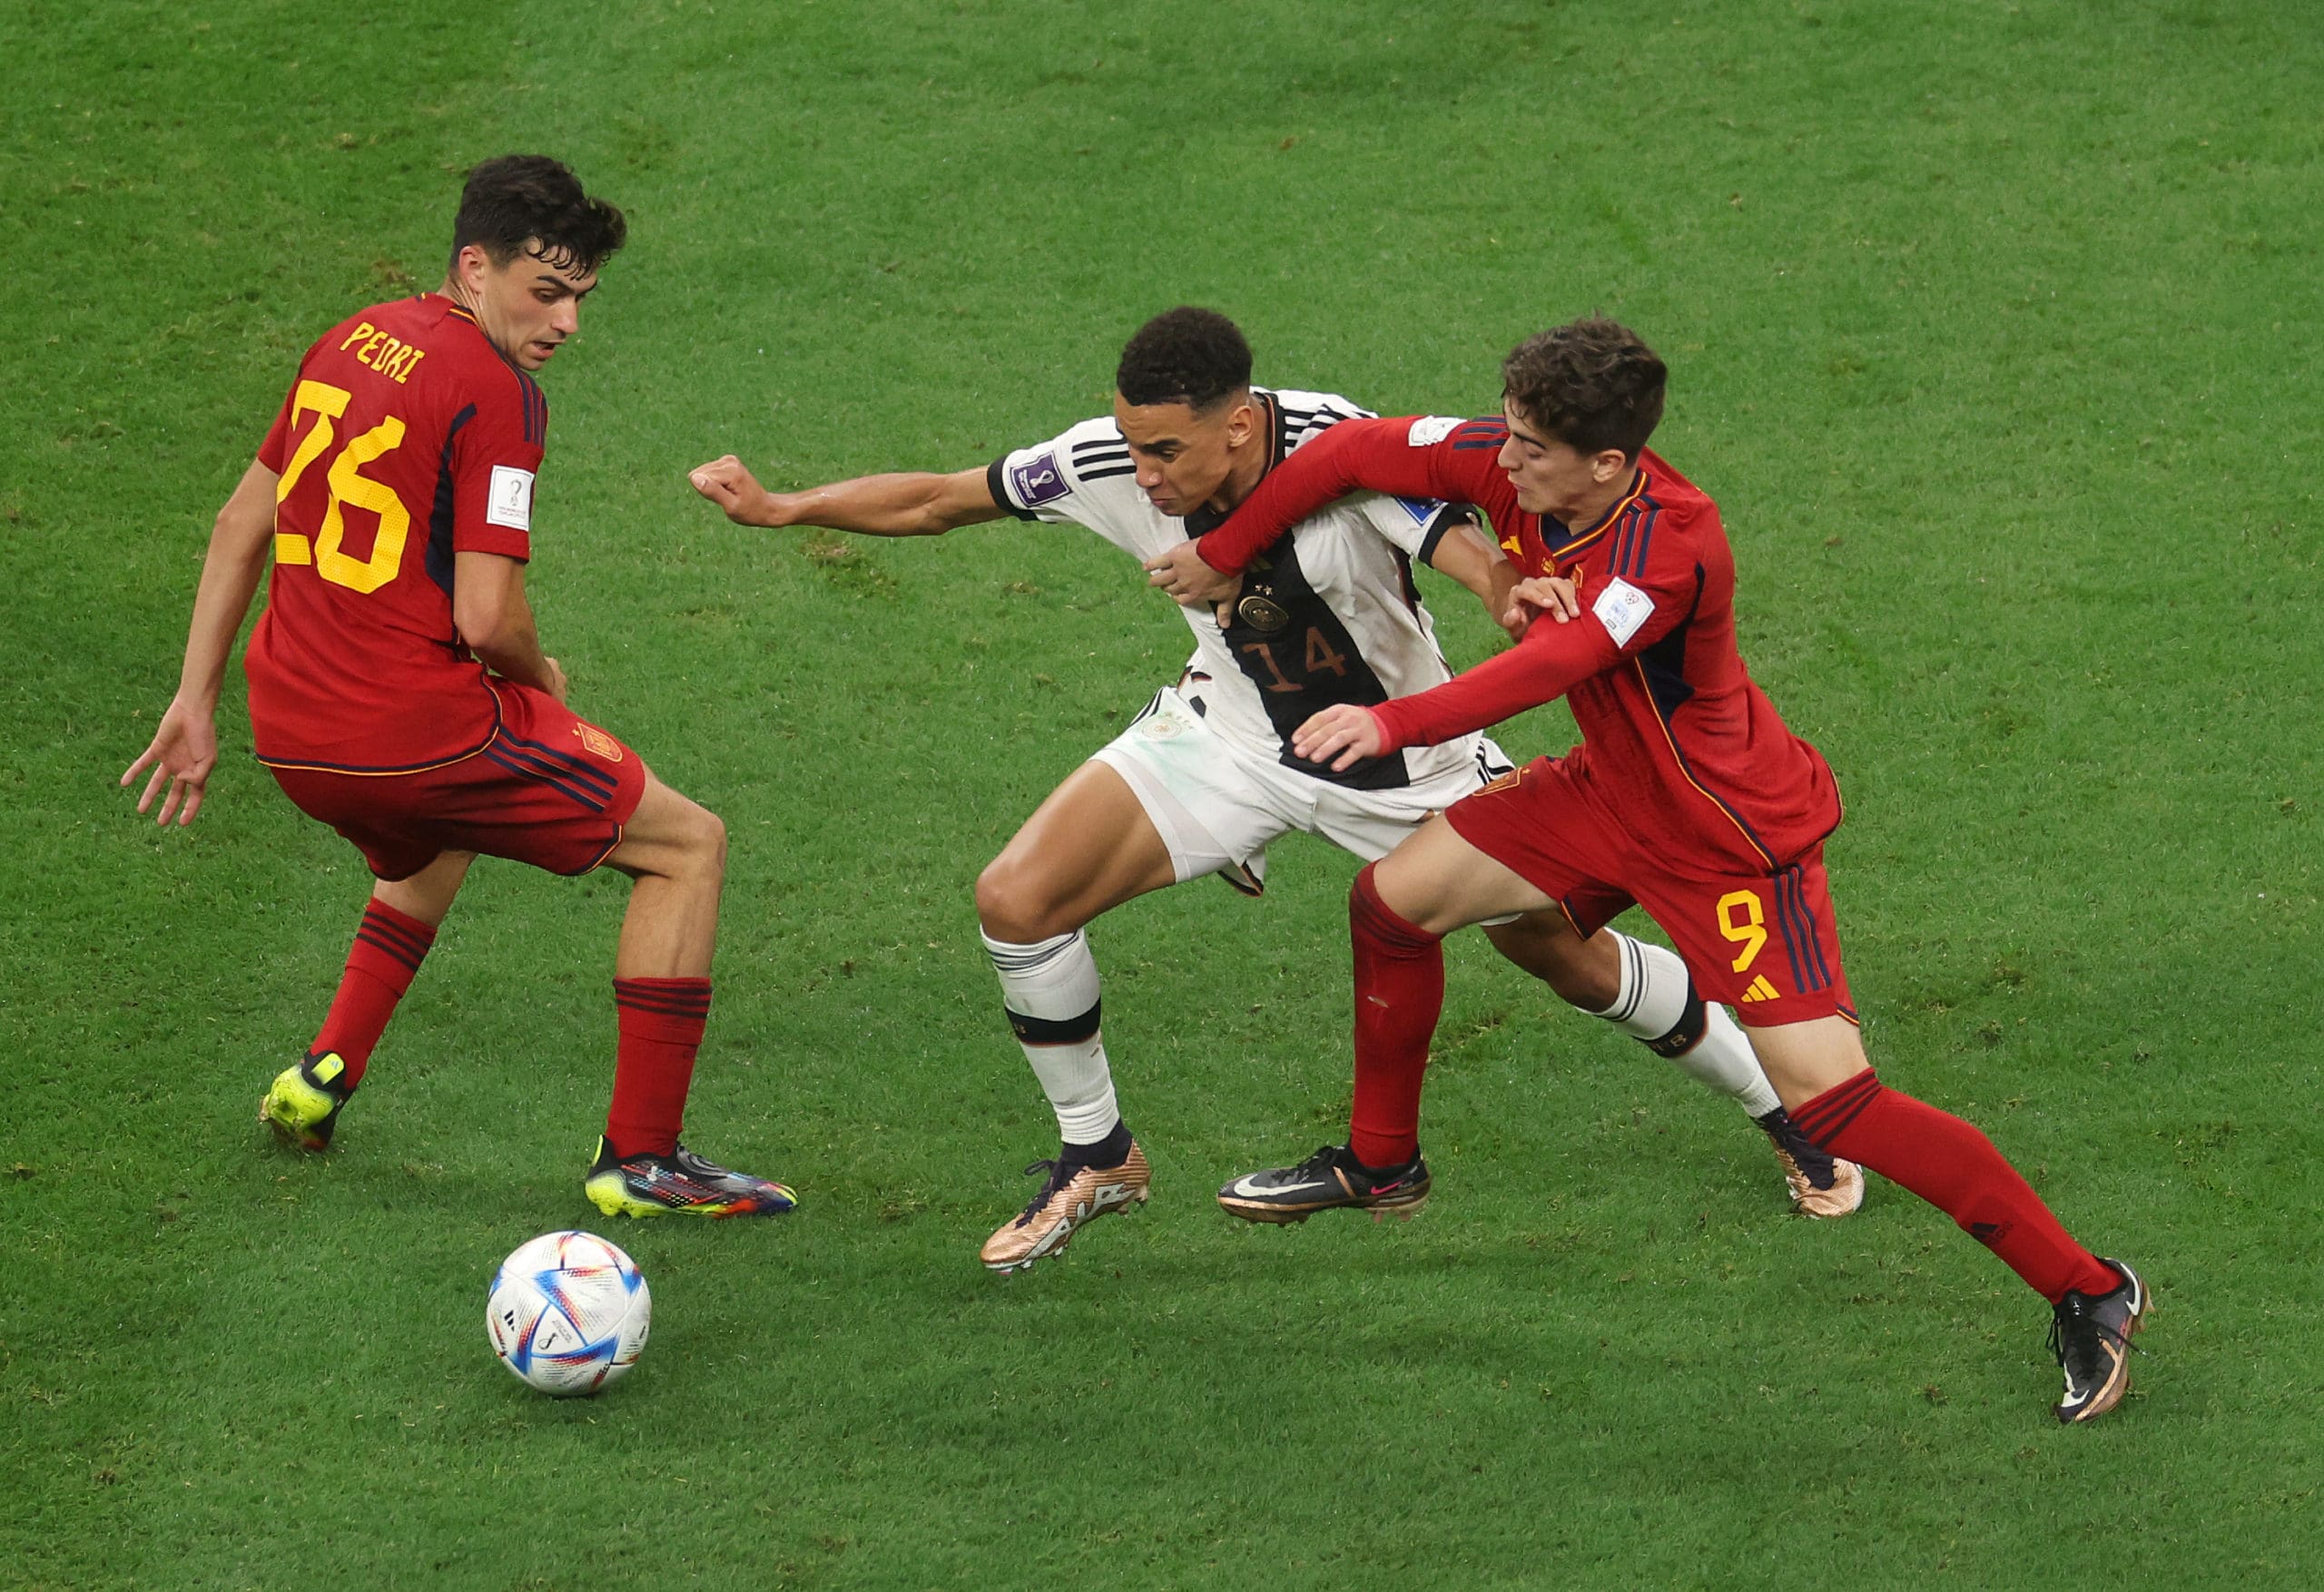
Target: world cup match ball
(568, 1313)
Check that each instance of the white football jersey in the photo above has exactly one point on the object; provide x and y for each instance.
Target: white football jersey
(1330, 615)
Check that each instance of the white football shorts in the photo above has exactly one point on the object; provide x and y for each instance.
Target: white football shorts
(1217, 805)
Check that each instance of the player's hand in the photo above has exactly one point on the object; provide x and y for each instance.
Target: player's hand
(184, 751)
(1544, 594)
(1343, 733)
(556, 684)
(728, 483)
(1182, 573)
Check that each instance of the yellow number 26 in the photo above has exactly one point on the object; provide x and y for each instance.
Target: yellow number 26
(348, 487)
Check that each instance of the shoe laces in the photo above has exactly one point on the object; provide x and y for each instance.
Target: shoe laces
(2076, 1336)
(1322, 1160)
(1059, 1173)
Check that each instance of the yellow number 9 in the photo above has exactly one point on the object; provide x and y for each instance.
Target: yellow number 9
(1751, 932)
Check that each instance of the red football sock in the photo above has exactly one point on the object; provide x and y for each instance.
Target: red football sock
(1955, 1168)
(387, 951)
(661, 1027)
(1399, 995)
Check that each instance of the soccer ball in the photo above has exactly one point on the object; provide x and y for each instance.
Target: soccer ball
(568, 1313)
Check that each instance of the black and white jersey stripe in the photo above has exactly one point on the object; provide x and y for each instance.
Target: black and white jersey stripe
(1301, 425)
(1101, 458)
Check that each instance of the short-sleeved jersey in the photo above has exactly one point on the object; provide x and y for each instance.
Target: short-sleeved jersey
(1678, 744)
(1331, 616)
(406, 438)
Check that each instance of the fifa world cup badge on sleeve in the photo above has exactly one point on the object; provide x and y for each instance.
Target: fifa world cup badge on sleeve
(1431, 429)
(510, 501)
(1621, 608)
(1038, 480)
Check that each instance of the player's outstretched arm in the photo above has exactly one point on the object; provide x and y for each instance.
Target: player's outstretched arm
(1375, 455)
(185, 748)
(1545, 664)
(912, 504)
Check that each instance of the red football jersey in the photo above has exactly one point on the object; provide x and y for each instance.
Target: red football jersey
(1678, 744)
(406, 438)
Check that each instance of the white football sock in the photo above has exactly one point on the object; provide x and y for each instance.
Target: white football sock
(1722, 1060)
(1655, 996)
(1050, 991)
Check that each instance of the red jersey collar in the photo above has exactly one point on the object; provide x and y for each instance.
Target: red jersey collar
(1577, 540)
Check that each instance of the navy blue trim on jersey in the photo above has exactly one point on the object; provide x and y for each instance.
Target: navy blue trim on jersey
(1480, 433)
(1633, 538)
(438, 558)
(996, 474)
(1663, 666)
(536, 408)
(373, 771)
(530, 397)
(1659, 672)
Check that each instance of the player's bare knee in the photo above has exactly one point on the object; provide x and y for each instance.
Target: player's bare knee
(998, 907)
(705, 841)
(1013, 908)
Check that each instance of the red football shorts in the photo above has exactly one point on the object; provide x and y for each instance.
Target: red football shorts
(1763, 943)
(549, 789)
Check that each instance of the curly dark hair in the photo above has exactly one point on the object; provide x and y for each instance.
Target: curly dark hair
(1184, 355)
(517, 203)
(1591, 384)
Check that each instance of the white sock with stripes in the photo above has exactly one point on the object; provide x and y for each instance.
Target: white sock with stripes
(1658, 1005)
(1050, 991)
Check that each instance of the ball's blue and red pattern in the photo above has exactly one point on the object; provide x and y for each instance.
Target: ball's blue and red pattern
(568, 1313)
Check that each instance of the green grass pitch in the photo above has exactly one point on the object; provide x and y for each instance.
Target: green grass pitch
(1993, 330)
